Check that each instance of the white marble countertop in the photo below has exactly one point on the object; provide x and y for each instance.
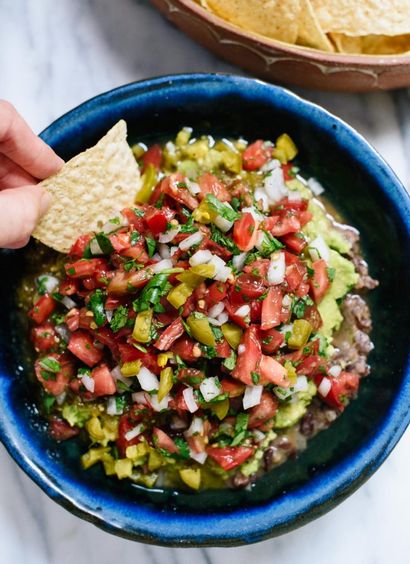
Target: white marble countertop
(55, 54)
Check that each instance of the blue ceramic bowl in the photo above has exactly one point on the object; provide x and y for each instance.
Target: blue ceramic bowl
(337, 461)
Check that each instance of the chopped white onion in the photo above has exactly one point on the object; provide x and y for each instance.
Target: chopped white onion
(170, 147)
(241, 349)
(117, 375)
(199, 457)
(222, 223)
(141, 397)
(238, 261)
(193, 187)
(301, 384)
(254, 213)
(190, 241)
(169, 235)
(196, 427)
(287, 301)
(294, 196)
(95, 248)
(189, 398)
(163, 250)
(60, 399)
(200, 257)
(223, 318)
(259, 436)
(261, 196)
(165, 264)
(335, 370)
(315, 186)
(216, 309)
(156, 257)
(63, 332)
(147, 379)
(318, 249)
(109, 315)
(177, 423)
(243, 311)
(132, 433)
(275, 186)
(172, 251)
(252, 396)
(210, 388)
(88, 383)
(286, 329)
(48, 282)
(271, 165)
(114, 224)
(324, 387)
(222, 272)
(159, 405)
(112, 407)
(68, 302)
(277, 268)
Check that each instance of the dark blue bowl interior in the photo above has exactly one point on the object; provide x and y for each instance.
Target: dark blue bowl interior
(337, 461)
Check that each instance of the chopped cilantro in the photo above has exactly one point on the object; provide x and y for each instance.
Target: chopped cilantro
(222, 209)
(189, 226)
(255, 378)
(230, 362)
(151, 245)
(299, 306)
(331, 273)
(48, 402)
(209, 352)
(50, 364)
(217, 333)
(183, 448)
(104, 243)
(269, 244)
(134, 238)
(221, 239)
(129, 265)
(96, 305)
(119, 319)
(157, 287)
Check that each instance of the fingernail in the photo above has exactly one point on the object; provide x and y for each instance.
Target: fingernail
(44, 202)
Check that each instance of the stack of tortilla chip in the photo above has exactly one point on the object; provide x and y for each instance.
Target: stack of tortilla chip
(373, 27)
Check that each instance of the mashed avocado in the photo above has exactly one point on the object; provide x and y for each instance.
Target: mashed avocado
(321, 225)
(251, 466)
(290, 413)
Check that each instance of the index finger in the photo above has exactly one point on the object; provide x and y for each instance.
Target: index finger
(20, 144)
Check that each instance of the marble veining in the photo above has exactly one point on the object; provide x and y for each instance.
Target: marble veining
(54, 54)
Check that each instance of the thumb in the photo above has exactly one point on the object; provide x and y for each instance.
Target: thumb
(20, 210)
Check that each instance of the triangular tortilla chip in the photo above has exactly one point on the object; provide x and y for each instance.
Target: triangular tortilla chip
(90, 189)
(310, 33)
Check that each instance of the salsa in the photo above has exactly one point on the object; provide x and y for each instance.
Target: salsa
(202, 335)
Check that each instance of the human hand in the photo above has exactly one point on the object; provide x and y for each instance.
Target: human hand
(24, 160)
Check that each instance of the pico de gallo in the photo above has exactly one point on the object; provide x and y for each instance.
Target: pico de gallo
(192, 338)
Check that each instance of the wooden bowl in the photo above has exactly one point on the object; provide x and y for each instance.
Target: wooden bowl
(281, 62)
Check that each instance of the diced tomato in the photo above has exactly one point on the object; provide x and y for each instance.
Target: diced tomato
(343, 387)
(78, 248)
(162, 440)
(196, 443)
(134, 219)
(191, 376)
(104, 384)
(187, 349)
(69, 287)
(120, 241)
(210, 184)
(310, 364)
(61, 431)
(302, 289)
(156, 220)
(286, 167)
(82, 346)
(153, 157)
(256, 155)
(44, 337)
(215, 294)
(55, 383)
(127, 422)
(230, 457)
(127, 282)
(170, 335)
(313, 316)
(231, 387)
(263, 412)
(272, 308)
(128, 353)
(223, 350)
(286, 224)
(319, 282)
(216, 249)
(271, 339)
(295, 205)
(245, 232)
(256, 311)
(106, 336)
(295, 242)
(295, 274)
(137, 252)
(42, 309)
(258, 268)
(85, 267)
(175, 187)
(305, 217)
(272, 372)
(72, 319)
(250, 286)
(231, 311)
(249, 356)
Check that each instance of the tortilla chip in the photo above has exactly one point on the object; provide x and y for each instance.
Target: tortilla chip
(371, 44)
(277, 19)
(346, 44)
(364, 17)
(310, 33)
(90, 189)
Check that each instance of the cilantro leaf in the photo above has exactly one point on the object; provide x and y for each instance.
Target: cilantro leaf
(50, 364)
(218, 237)
(151, 246)
(96, 305)
(222, 209)
(119, 319)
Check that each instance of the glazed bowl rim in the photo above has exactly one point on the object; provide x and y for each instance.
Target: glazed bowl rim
(295, 507)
